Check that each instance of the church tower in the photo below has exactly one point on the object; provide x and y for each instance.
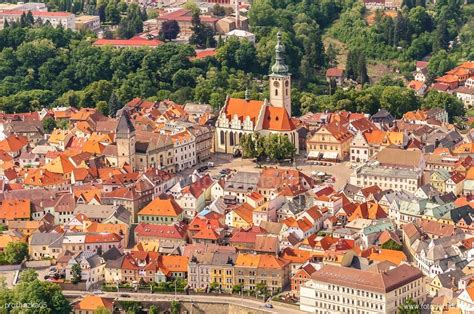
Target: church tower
(280, 79)
(125, 139)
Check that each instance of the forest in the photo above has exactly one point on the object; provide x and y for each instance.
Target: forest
(41, 66)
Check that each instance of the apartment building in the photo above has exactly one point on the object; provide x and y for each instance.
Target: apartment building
(65, 19)
(269, 270)
(380, 289)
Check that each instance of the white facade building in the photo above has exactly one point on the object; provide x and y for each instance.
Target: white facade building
(335, 289)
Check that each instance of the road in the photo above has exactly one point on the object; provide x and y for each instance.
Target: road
(155, 297)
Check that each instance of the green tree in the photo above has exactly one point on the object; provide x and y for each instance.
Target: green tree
(15, 253)
(29, 19)
(102, 310)
(238, 54)
(453, 106)
(247, 144)
(132, 24)
(153, 309)
(49, 124)
(169, 30)
(439, 63)
(112, 14)
(218, 10)
(114, 105)
(102, 107)
(76, 273)
(409, 307)
(398, 100)
(441, 36)
(261, 288)
(203, 35)
(331, 54)
(237, 288)
(175, 307)
(392, 245)
(30, 290)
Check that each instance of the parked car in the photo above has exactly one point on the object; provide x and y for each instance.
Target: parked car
(97, 292)
(203, 168)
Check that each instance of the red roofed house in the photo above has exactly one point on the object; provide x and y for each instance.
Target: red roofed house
(418, 87)
(301, 276)
(184, 17)
(335, 74)
(192, 198)
(245, 116)
(165, 236)
(330, 142)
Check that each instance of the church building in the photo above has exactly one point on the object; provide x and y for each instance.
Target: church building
(246, 116)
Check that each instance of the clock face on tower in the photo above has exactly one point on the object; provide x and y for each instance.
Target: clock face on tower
(276, 84)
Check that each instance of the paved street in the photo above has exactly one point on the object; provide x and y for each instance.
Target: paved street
(190, 298)
(341, 171)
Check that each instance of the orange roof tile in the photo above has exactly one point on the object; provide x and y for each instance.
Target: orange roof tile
(94, 302)
(162, 206)
(277, 119)
(396, 257)
(13, 143)
(15, 209)
(243, 108)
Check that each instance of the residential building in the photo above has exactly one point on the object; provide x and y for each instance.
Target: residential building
(162, 210)
(253, 269)
(63, 19)
(329, 142)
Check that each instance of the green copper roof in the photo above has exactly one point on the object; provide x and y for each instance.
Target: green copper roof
(279, 67)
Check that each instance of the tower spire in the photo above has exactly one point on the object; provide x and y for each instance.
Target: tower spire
(279, 67)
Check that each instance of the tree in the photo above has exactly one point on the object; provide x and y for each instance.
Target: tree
(441, 36)
(409, 307)
(238, 54)
(439, 63)
(363, 77)
(101, 310)
(29, 19)
(392, 245)
(153, 309)
(114, 105)
(453, 106)
(132, 24)
(14, 253)
(218, 10)
(237, 288)
(102, 107)
(261, 288)
(49, 124)
(76, 272)
(398, 100)
(112, 14)
(203, 35)
(169, 30)
(175, 307)
(331, 54)
(48, 296)
(247, 144)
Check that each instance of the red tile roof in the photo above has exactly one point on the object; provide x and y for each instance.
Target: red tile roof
(133, 42)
